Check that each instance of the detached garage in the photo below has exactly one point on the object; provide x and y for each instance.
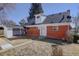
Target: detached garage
(51, 26)
(55, 30)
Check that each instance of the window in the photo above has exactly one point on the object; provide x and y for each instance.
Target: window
(38, 16)
(55, 28)
(68, 17)
(27, 28)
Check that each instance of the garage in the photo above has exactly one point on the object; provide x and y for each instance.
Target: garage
(18, 31)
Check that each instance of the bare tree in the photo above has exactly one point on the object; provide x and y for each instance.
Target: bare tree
(76, 21)
(7, 6)
(23, 22)
(4, 8)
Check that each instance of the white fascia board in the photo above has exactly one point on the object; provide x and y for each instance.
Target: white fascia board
(53, 24)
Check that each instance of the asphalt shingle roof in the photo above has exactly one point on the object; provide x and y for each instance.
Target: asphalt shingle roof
(57, 18)
(54, 18)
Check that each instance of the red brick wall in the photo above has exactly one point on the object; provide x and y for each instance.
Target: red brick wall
(61, 33)
(32, 32)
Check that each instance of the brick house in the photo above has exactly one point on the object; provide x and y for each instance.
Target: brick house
(51, 26)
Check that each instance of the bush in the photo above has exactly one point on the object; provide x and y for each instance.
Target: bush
(76, 37)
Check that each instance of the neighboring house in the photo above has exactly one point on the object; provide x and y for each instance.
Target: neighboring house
(9, 29)
(52, 26)
(11, 32)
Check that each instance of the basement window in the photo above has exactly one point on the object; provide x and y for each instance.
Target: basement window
(55, 28)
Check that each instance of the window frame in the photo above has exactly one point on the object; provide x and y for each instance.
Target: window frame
(55, 28)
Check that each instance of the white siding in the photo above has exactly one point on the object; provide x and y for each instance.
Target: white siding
(40, 19)
(9, 33)
(43, 30)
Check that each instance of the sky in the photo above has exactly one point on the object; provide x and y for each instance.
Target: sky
(22, 10)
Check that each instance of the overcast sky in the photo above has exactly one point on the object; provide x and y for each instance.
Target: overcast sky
(22, 10)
